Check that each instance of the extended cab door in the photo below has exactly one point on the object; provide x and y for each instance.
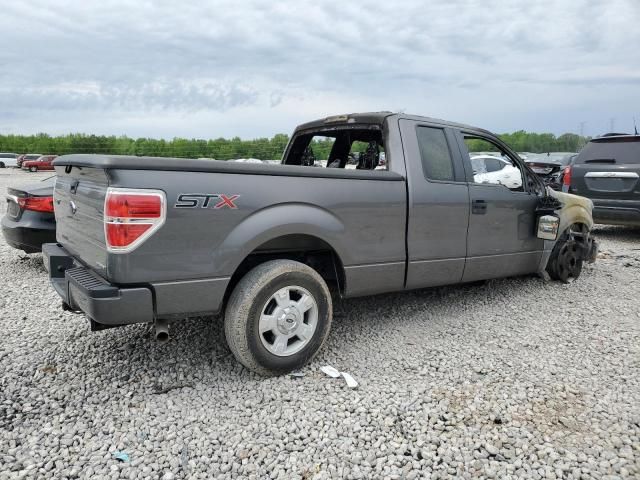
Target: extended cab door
(438, 205)
(502, 237)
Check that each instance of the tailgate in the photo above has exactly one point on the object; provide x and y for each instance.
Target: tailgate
(79, 206)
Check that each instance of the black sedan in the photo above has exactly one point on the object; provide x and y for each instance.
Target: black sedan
(29, 221)
(550, 168)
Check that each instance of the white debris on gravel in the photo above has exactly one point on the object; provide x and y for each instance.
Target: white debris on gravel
(333, 373)
(514, 378)
(330, 371)
(351, 382)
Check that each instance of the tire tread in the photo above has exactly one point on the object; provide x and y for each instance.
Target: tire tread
(241, 301)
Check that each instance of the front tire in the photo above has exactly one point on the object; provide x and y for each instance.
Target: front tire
(565, 262)
(33, 169)
(278, 317)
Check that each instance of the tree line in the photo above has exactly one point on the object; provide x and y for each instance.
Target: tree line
(225, 149)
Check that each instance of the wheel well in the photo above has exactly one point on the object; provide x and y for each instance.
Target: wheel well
(579, 231)
(306, 249)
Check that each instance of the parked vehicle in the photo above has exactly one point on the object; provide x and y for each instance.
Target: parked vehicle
(25, 157)
(30, 221)
(495, 170)
(607, 170)
(551, 168)
(42, 163)
(8, 160)
(154, 240)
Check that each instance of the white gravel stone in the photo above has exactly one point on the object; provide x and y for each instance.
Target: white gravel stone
(513, 378)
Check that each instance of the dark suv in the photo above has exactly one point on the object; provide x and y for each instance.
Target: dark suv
(607, 171)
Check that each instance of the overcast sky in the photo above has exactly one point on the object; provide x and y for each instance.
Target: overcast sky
(254, 68)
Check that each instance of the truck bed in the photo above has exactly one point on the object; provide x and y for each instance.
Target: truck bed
(200, 248)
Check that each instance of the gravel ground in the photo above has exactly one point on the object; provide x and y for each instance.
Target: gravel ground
(513, 378)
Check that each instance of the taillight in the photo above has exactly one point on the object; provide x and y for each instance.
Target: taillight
(131, 216)
(36, 204)
(566, 178)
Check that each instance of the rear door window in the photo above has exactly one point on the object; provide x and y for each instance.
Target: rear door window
(437, 163)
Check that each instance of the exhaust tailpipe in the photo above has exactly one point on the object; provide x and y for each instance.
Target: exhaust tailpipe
(162, 331)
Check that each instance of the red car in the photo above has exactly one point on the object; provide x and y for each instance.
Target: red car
(42, 163)
(25, 157)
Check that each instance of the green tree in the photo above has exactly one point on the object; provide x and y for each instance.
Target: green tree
(225, 149)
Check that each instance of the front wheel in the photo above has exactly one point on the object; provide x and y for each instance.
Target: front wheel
(33, 169)
(565, 262)
(278, 317)
(1, 164)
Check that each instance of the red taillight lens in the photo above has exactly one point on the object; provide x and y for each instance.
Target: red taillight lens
(566, 176)
(36, 204)
(133, 206)
(131, 216)
(124, 234)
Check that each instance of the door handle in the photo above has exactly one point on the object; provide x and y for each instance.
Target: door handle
(479, 207)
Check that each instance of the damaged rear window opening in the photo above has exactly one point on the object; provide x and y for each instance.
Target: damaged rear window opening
(360, 148)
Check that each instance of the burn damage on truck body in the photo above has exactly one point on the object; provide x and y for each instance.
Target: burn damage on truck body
(575, 225)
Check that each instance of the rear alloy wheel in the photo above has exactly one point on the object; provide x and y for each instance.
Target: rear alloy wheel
(278, 317)
(565, 262)
(288, 321)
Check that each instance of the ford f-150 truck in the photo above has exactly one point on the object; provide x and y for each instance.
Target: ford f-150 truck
(155, 240)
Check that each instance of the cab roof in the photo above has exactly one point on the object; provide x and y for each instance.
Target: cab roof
(379, 118)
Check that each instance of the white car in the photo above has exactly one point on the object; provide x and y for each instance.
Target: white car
(8, 160)
(496, 170)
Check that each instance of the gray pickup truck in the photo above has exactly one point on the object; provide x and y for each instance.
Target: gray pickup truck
(155, 240)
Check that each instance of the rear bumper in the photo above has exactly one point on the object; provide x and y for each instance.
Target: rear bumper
(83, 290)
(28, 235)
(616, 212)
(104, 303)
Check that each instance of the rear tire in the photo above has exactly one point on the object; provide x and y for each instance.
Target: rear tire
(33, 169)
(278, 317)
(1, 164)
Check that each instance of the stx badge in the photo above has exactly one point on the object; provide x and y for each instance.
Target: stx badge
(206, 200)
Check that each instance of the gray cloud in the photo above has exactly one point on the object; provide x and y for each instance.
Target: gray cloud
(162, 94)
(256, 68)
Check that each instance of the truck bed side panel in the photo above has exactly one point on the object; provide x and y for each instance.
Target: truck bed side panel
(363, 220)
